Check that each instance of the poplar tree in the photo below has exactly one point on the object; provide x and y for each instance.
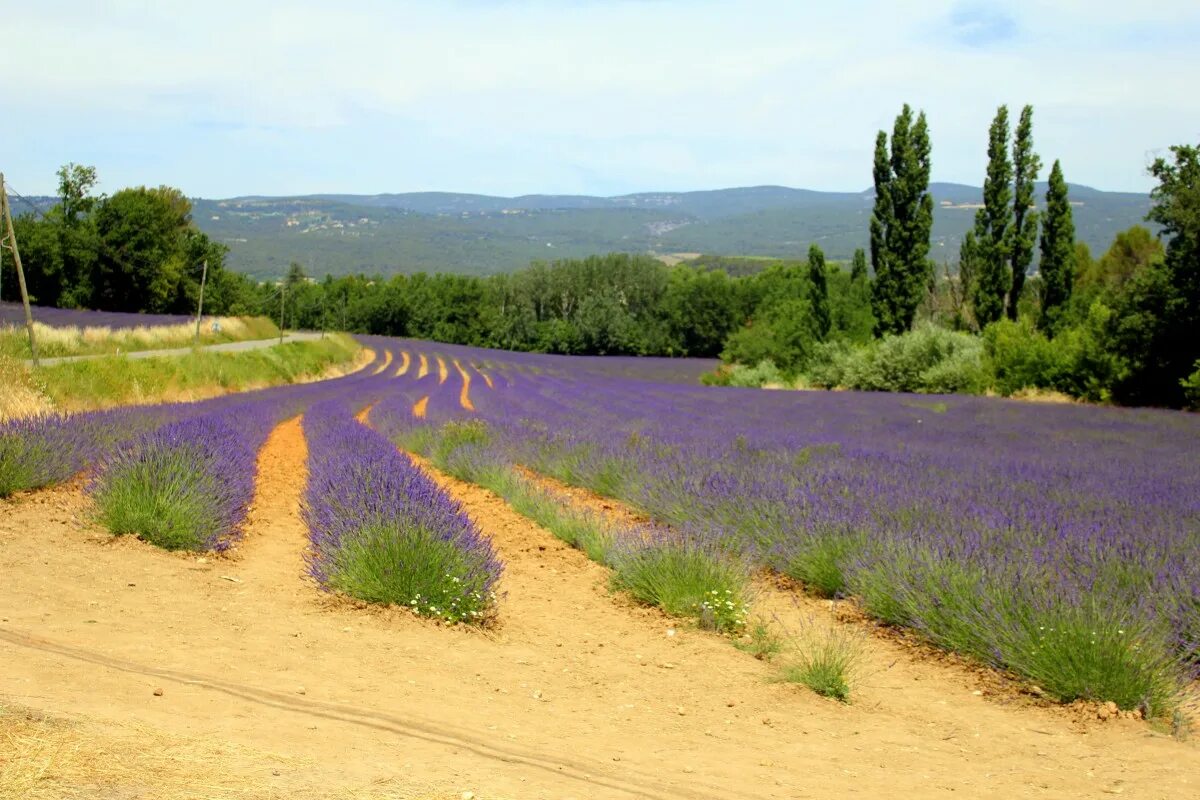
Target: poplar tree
(901, 223)
(992, 280)
(858, 266)
(1026, 165)
(819, 292)
(1057, 263)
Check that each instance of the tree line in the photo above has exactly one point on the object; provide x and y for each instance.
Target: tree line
(1120, 328)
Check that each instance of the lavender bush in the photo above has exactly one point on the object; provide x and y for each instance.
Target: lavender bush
(382, 531)
(186, 486)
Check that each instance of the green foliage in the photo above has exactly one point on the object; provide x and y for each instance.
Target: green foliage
(1132, 252)
(1025, 220)
(763, 374)
(993, 238)
(819, 293)
(1157, 315)
(928, 359)
(685, 580)
(1191, 392)
(819, 561)
(1075, 362)
(116, 380)
(760, 641)
(901, 222)
(827, 661)
(1058, 251)
(161, 498)
(407, 565)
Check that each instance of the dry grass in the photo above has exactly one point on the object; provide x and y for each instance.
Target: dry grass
(73, 340)
(43, 757)
(1032, 395)
(19, 395)
(107, 382)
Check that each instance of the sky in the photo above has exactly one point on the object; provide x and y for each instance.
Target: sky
(602, 97)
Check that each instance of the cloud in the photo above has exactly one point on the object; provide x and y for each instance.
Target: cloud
(250, 96)
(978, 25)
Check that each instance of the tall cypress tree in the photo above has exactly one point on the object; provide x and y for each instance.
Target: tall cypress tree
(992, 224)
(858, 266)
(882, 290)
(1057, 265)
(901, 223)
(1025, 220)
(819, 292)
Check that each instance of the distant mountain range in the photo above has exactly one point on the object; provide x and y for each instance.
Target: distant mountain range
(482, 234)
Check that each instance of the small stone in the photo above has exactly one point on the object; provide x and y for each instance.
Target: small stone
(468, 796)
(977, 693)
(730, 704)
(158, 692)
(300, 690)
(537, 694)
(680, 711)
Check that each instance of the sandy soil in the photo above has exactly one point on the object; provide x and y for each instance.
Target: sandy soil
(576, 694)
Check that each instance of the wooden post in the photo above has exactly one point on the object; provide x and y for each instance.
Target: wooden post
(200, 305)
(12, 243)
(282, 301)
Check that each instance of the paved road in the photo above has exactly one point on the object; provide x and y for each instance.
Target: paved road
(250, 344)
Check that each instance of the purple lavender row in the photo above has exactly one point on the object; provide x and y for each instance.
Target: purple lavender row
(382, 531)
(14, 314)
(189, 483)
(1020, 534)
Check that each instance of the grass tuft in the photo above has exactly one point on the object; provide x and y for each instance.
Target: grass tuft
(827, 661)
(760, 641)
(685, 580)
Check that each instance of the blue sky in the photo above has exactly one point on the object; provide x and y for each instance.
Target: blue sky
(589, 96)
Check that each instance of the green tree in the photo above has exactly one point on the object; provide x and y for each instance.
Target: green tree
(1158, 314)
(1026, 165)
(963, 288)
(858, 266)
(819, 292)
(992, 227)
(901, 223)
(1057, 263)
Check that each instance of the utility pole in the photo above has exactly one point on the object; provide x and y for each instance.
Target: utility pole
(282, 301)
(200, 305)
(12, 245)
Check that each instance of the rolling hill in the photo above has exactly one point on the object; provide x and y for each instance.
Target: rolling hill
(483, 234)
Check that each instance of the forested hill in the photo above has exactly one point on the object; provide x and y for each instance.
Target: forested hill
(480, 234)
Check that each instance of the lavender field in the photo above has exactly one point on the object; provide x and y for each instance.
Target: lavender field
(13, 314)
(1061, 543)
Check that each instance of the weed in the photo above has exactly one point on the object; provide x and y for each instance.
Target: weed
(827, 660)
(760, 641)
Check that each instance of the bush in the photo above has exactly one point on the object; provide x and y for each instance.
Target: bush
(1075, 362)
(928, 359)
(761, 375)
(684, 579)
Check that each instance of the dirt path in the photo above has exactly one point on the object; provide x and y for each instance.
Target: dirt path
(576, 694)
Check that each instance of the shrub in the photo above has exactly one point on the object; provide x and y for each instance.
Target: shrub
(764, 373)
(1075, 361)
(184, 487)
(383, 531)
(684, 579)
(927, 359)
